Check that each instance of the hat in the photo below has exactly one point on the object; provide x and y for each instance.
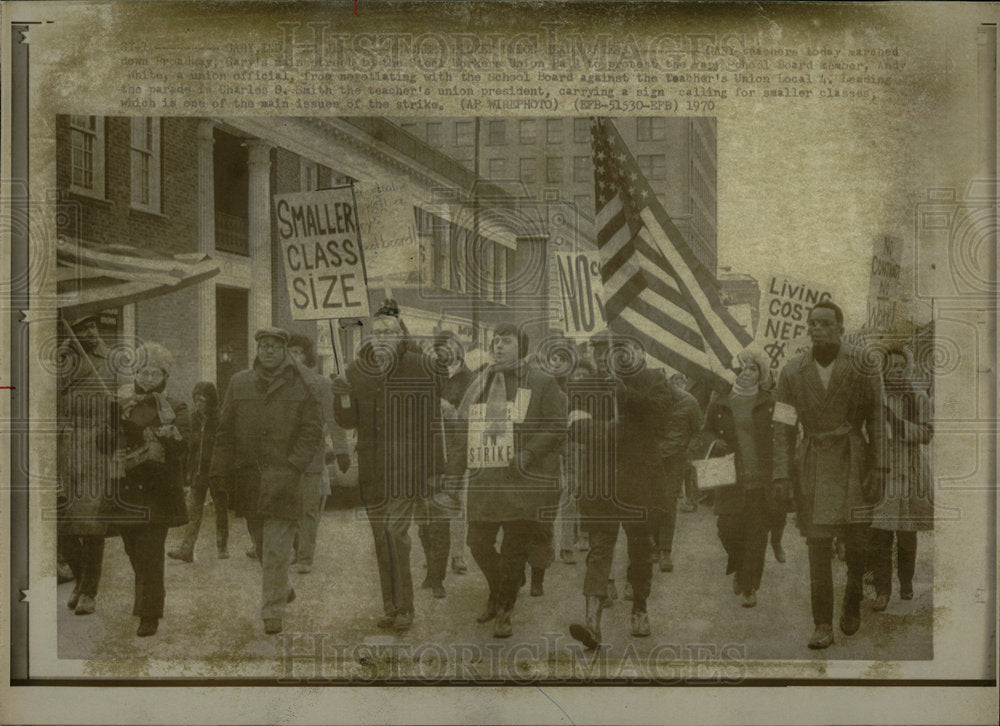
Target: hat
(278, 333)
(75, 321)
(602, 337)
(154, 355)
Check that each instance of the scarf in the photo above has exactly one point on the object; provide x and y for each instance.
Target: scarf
(739, 390)
(265, 377)
(496, 396)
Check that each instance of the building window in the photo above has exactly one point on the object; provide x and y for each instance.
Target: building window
(308, 175)
(527, 131)
(553, 131)
(581, 130)
(87, 154)
(146, 163)
(435, 136)
(529, 171)
(553, 170)
(496, 133)
(498, 168)
(582, 169)
(651, 129)
(654, 166)
(465, 133)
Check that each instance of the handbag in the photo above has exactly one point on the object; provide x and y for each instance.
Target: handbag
(715, 472)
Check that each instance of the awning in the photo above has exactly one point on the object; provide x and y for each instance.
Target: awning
(92, 277)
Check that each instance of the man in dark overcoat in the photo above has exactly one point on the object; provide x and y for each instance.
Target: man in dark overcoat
(270, 431)
(836, 466)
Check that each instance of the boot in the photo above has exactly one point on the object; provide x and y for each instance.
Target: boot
(147, 627)
(74, 598)
(589, 633)
(502, 627)
(490, 612)
(640, 624)
(181, 553)
(822, 637)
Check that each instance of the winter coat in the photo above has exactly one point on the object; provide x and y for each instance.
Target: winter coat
(322, 391)
(528, 488)
(86, 441)
(842, 435)
(908, 498)
(269, 433)
(719, 421)
(151, 460)
(633, 464)
(201, 445)
(397, 413)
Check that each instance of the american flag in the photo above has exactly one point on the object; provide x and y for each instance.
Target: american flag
(657, 291)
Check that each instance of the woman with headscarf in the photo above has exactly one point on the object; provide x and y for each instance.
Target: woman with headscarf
(204, 423)
(907, 504)
(741, 420)
(150, 465)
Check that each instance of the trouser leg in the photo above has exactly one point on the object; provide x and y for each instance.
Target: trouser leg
(220, 497)
(821, 579)
(568, 520)
(906, 557)
(729, 527)
(255, 528)
(144, 545)
(435, 537)
(668, 522)
(312, 509)
(519, 537)
(482, 545)
(603, 536)
(755, 540)
(458, 530)
(276, 556)
(85, 556)
(400, 513)
(856, 554)
(640, 562)
(776, 522)
(195, 512)
(378, 521)
(880, 559)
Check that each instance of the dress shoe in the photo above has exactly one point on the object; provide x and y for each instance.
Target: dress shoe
(906, 592)
(439, 591)
(567, 556)
(640, 624)
(589, 632)
(881, 603)
(403, 622)
(147, 627)
(85, 605)
(386, 621)
(489, 612)
(822, 637)
(273, 626)
(304, 568)
(749, 599)
(291, 595)
(627, 593)
(779, 552)
(502, 627)
(850, 622)
(458, 565)
(666, 564)
(74, 598)
(64, 573)
(181, 554)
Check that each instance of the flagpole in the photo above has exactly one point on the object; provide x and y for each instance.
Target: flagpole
(475, 231)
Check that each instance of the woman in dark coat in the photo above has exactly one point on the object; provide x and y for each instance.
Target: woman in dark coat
(907, 505)
(741, 419)
(150, 467)
(204, 423)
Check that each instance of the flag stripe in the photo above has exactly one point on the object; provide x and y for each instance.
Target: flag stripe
(624, 325)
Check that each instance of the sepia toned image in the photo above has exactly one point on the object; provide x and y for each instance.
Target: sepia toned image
(420, 348)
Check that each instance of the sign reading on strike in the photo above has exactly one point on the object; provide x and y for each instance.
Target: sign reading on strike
(581, 292)
(322, 254)
(785, 306)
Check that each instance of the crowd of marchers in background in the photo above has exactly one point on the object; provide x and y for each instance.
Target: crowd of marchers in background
(492, 459)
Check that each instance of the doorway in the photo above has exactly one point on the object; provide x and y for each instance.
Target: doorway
(231, 333)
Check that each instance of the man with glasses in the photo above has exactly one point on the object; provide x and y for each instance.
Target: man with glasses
(270, 430)
(837, 466)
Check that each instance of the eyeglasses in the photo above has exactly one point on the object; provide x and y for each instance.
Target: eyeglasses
(271, 347)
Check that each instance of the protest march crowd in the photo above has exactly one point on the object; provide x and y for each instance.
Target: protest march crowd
(528, 458)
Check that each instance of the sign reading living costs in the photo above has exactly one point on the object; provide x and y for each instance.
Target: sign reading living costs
(322, 254)
(784, 310)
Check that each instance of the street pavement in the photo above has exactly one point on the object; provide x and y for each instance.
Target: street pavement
(212, 614)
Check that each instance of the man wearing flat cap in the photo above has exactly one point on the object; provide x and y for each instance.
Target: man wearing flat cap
(270, 430)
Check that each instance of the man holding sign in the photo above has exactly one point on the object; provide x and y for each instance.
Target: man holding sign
(512, 428)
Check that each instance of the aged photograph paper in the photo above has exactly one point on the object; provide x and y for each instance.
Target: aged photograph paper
(499, 362)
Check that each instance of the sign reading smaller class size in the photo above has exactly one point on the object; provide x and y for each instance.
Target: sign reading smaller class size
(322, 254)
